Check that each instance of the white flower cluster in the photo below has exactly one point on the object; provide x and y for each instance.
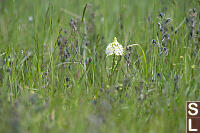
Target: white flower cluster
(114, 48)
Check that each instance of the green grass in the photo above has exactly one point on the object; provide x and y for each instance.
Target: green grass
(41, 90)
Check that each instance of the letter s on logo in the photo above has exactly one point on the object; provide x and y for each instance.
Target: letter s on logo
(193, 108)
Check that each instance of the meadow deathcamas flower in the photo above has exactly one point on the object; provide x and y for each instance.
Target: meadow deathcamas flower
(114, 48)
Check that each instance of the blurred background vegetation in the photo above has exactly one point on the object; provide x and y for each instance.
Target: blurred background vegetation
(55, 76)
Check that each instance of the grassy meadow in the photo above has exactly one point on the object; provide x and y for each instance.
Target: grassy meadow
(55, 76)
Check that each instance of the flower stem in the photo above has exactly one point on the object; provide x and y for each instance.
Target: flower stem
(114, 67)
